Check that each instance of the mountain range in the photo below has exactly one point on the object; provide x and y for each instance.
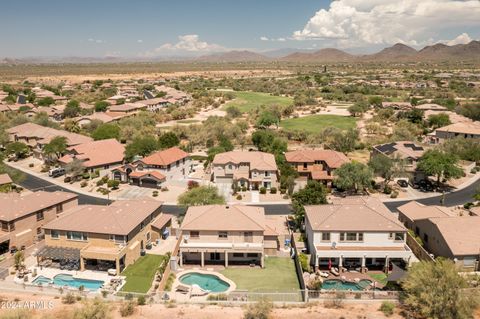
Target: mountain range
(398, 52)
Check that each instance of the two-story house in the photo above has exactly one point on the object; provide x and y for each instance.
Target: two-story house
(355, 232)
(103, 237)
(316, 164)
(22, 217)
(153, 170)
(220, 234)
(465, 130)
(245, 169)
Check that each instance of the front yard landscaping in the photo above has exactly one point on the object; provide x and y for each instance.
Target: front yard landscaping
(140, 274)
(316, 123)
(278, 275)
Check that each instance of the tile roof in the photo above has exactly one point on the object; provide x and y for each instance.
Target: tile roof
(414, 210)
(119, 218)
(360, 213)
(155, 174)
(46, 134)
(258, 160)
(96, 153)
(5, 179)
(462, 128)
(332, 158)
(15, 206)
(402, 148)
(222, 217)
(165, 157)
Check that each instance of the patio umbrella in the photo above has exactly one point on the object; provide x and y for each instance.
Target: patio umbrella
(329, 264)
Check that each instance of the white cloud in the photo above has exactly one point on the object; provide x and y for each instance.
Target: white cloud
(190, 43)
(463, 38)
(95, 40)
(139, 41)
(273, 39)
(264, 39)
(372, 22)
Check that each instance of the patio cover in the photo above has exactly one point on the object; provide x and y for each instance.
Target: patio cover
(60, 253)
(397, 274)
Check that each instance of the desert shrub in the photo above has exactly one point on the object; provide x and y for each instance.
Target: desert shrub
(86, 176)
(30, 165)
(387, 308)
(263, 190)
(83, 184)
(336, 301)
(100, 182)
(170, 280)
(394, 194)
(17, 314)
(273, 190)
(127, 308)
(304, 262)
(259, 310)
(239, 197)
(95, 308)
(141, 300)
(244, 189)
(69, 299)
(155, 193)
(67, 179)
(192, 184)
(113, 184)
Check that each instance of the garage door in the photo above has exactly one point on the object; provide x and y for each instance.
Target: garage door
(150, 183)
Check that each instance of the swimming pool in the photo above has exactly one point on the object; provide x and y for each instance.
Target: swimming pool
(68, 280)
(207, 282)
(335, 284)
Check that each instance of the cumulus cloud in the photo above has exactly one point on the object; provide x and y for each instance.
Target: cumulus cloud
(190, 43)
(139, 41)
(273, 39)
(264, 39)
(95, 40)
(463, 38)
(371, 22)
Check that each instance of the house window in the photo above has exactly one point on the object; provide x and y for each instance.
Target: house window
(399, 236)
(39, 230)
(267, 174)
(351, 236)
(40, 216)
(73, 235)
(118, 239)
(222, 235)
(360, 236)
(12, 226)
(305, 165)
(178, 163)
(194, 234)
(5, 226)
(248, 236)
(59, 208)
(325, 236)
(469, 261)
(54, 234)
(342, 236)
(230, 166)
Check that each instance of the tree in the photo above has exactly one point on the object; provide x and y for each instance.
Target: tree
(386, 167)
(72, 109)
(101, 106)
(203, 195)
(46, 101)
(225, 143)
(342, 141)
(233, 111)
(267, 119)
(19, 259)
(141, 146)
(438, 163)
(358, 108)
(438, 120)
(57, 146)
(75, 168)
(353, 176)
(375, 101)
(314, 193)
(167, 140)
(436, 290)
(19, 149)
(71, 126)
(268, 141)
(106, 131)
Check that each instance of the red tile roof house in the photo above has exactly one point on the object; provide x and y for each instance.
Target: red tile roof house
(316, 164)
(153, 170)
(101, 154)
(22, 217)
(246, 169)
(36, 136)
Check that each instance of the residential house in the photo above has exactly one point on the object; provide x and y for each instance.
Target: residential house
(316, 164)
(5, 183)
(430, 107)
(397, 105)
(465, 130)
(245, 169)
(444, 233)
(22, 217)
(128, 107)
(409, 151)
(355, 233)
(36, 136)
(155, 104)
(104, 237)
(222, 234)
(101, 154)
(104, 117)
(155, 169)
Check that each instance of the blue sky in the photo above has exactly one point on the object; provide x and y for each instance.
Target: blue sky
(151, 28)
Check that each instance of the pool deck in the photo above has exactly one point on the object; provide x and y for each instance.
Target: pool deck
(353, 276)
(87, 275)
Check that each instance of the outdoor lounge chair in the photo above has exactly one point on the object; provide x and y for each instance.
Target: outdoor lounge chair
(183, 289)
(334, 271)
(197, 291)
(323, 274)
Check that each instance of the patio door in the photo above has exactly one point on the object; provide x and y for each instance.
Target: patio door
(215, 256)
(248, 237)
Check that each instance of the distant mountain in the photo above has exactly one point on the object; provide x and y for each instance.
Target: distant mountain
(469, 51)
(234, 56)
(323, 55)
(398, 51)
(280, 53)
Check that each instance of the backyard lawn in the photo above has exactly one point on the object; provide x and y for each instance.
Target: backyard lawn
(140, 274)
(316, 123)
(278, 275)
(247, 101)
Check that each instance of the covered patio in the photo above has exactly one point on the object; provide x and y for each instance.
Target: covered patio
(59, 257)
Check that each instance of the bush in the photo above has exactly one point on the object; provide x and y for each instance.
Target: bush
(30, 165)
(303, 259)
(155, 193)
(273, 190)
(127, 308)
(394, 194)
(387, 308)
(100, 182)
(83, 184)
(192, 184)
(141, 300)
(69, 299)
(239, 197)
(113, 184)
(170, 280)
(259, 310)
(387, 189)
(263, 190)
(86, 176)
(67, 179)
(244, 189)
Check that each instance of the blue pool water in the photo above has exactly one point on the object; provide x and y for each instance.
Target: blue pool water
(335, 284)
(208, 282)
(68, 280)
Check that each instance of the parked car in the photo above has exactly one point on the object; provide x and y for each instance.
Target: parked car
(402, 183)
(56, 172)
(426, 185)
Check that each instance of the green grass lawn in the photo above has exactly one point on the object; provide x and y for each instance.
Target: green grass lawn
(278, 275)
(140, 274)
(247, 101)
(316, 123)
(379, 277)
